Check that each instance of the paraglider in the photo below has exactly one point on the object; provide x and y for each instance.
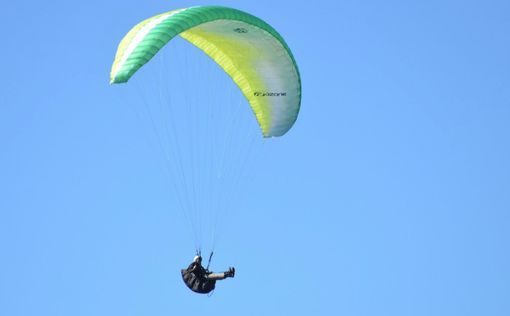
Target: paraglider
(249, 50)
(200, 279)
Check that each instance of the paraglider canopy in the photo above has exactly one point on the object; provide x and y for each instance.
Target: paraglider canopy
(248, 49)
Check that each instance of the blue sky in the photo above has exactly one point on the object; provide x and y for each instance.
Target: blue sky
(390, 196)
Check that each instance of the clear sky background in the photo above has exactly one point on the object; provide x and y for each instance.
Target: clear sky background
(390, 196)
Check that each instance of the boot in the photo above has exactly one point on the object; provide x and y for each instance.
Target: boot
(230, 273)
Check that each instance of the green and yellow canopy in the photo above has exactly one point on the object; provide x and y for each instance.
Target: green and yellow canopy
(249, 50)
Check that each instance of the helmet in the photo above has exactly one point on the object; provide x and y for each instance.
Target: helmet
(197, 259)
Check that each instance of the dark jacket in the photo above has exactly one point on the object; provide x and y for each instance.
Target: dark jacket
(195, 277)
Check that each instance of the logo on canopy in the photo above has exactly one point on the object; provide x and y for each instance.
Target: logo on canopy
(240, 30)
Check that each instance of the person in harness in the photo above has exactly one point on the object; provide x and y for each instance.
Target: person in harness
(201, 280)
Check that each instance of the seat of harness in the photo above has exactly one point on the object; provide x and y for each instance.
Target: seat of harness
(197, 283)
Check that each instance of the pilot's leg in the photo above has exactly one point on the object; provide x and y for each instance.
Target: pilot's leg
(220, 276)
(216, 276)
